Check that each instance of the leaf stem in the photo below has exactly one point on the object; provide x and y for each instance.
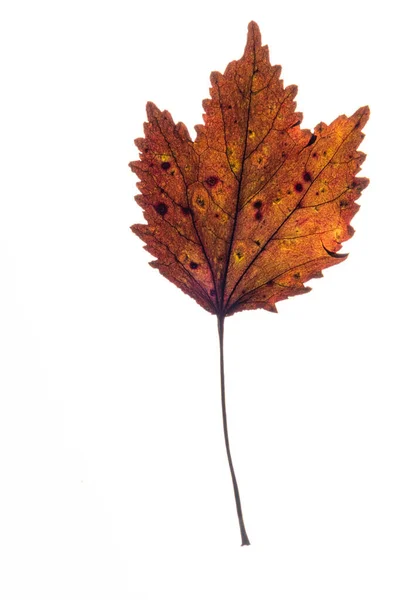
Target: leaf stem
(245, 539)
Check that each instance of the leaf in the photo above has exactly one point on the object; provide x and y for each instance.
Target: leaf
(255, 206)
(244, 215)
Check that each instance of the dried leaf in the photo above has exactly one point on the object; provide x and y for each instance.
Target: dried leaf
(255, 206)
(244, 215)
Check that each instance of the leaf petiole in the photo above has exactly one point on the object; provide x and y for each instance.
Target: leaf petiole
(245, 539)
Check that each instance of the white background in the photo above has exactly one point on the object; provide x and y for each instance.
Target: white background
(113, 475)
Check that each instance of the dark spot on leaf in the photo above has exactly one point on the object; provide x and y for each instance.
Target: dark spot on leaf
(298, 187)
(317, 193)
(257, 242)
(284, 154)
(172, 172)
(165, 165)
(161, 208)
(146, 150)
(257, 204)
(296, 275)
(230, 106)
(200, 201)
(212, 292)
(216, 215)
(258, 215)
(193, 265)
(343, 203)
(186, 210)
(324, 153)
(314, 155)
(307, 176)
(357, 125)
(312, 140)
(211, 181)
(259, 160)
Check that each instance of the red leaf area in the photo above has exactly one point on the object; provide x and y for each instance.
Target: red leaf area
(241, 217)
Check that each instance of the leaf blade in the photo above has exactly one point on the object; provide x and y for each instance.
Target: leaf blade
(254, 207)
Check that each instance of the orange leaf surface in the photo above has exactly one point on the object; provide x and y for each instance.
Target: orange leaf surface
(254, 207)
(241, 217)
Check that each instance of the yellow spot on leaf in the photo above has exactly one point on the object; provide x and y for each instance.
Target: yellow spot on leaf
(339, 234)
(239, 254)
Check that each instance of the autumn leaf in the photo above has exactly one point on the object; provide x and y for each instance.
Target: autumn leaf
(252, 209)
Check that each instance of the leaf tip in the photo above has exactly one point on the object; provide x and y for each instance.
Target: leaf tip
(152, 110)
(154, 264)
(361, 116)
(365, 110)
(253, 36)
